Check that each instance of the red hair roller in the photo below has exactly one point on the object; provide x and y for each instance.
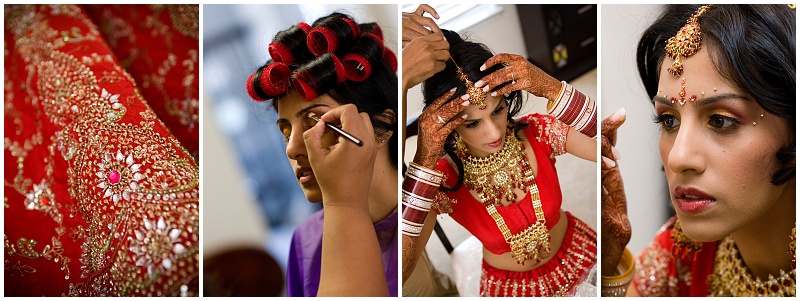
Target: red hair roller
(321, 40)
(357, 66)
(280, 53)
(304, 27)
(300, 82)
(269, 81)
(353, 27)
(251, 90)
(378, 32)
(303, 88)
(390, 58)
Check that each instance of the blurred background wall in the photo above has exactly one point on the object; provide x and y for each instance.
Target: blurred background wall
(637, 140)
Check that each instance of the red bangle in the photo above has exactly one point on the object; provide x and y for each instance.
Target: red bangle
(414, 215)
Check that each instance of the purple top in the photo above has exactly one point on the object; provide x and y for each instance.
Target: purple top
(305, 255)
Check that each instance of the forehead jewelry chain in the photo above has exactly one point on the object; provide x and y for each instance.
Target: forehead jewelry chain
(476, 95)
(686, 42)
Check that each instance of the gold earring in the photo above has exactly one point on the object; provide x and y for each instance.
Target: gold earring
(461, 148)
(683, 244)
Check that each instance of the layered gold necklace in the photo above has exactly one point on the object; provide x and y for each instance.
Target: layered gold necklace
(494, 178)
(732, 278)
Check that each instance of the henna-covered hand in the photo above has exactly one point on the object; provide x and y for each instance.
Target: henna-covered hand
(520, 75)
(435, 123)
(614, 224)
(416, 25)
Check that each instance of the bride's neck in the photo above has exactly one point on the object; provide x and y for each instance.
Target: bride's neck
(764, 244)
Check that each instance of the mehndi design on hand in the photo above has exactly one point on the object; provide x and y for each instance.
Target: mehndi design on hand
(433, 132)
(615, 225)
(520, 75)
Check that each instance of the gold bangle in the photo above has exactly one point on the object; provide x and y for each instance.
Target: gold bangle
(552, 102)
(617, 286)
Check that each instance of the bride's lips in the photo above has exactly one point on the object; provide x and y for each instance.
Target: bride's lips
(304, 174)
(692, 200)
(496, 143)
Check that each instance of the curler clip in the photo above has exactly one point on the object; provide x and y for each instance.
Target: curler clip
(356, 63)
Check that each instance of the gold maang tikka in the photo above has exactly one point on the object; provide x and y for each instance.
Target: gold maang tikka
(476, 95)
(686, 42)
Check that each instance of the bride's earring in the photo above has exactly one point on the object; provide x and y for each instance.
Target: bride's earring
(683, 244)
(461, 148)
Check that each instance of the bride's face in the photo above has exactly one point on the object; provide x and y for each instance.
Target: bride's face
(484, 130)
(718, 151)
(293, 121)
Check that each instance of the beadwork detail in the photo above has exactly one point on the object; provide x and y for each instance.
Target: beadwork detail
(686, 42)
(731, 277)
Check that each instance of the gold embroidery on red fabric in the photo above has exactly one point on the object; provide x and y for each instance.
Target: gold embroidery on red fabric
(135, 189)
(19, 268)
(184, 19)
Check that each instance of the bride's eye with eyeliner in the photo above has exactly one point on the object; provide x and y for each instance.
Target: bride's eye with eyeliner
(722, 122)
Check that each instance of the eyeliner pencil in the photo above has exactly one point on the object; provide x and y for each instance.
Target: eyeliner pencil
(338, 130)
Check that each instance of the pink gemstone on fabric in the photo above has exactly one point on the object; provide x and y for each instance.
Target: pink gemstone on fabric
(114, 177)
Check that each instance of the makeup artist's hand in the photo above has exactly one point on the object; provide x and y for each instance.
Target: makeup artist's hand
(435, 123)
(424, 57)
(615, 225)
(343, 170)
(520, 75)
(414, 24)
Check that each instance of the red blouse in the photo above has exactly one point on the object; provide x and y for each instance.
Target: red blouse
(659, 273)
(547, 137)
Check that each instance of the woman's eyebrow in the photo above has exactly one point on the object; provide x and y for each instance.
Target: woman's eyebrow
(304, 111)
(703, 101)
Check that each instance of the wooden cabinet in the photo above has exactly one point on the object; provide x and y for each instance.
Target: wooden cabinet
(561, 39)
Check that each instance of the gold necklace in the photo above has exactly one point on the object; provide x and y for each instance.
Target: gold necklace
(732, 278)
(494, 178)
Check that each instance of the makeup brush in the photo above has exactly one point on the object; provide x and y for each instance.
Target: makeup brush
(337, 130)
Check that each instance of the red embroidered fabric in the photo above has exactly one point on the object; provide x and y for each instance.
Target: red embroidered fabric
(99, 198)
(158, 46)
(559, 276)
(472, 215)
(660, 273)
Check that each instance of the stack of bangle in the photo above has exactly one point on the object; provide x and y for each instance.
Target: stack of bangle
(574, 109)
(419, 188)
(617, 286)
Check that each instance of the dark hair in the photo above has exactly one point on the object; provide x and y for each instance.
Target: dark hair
(469, 56)
(312, 75)
(751, 46)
